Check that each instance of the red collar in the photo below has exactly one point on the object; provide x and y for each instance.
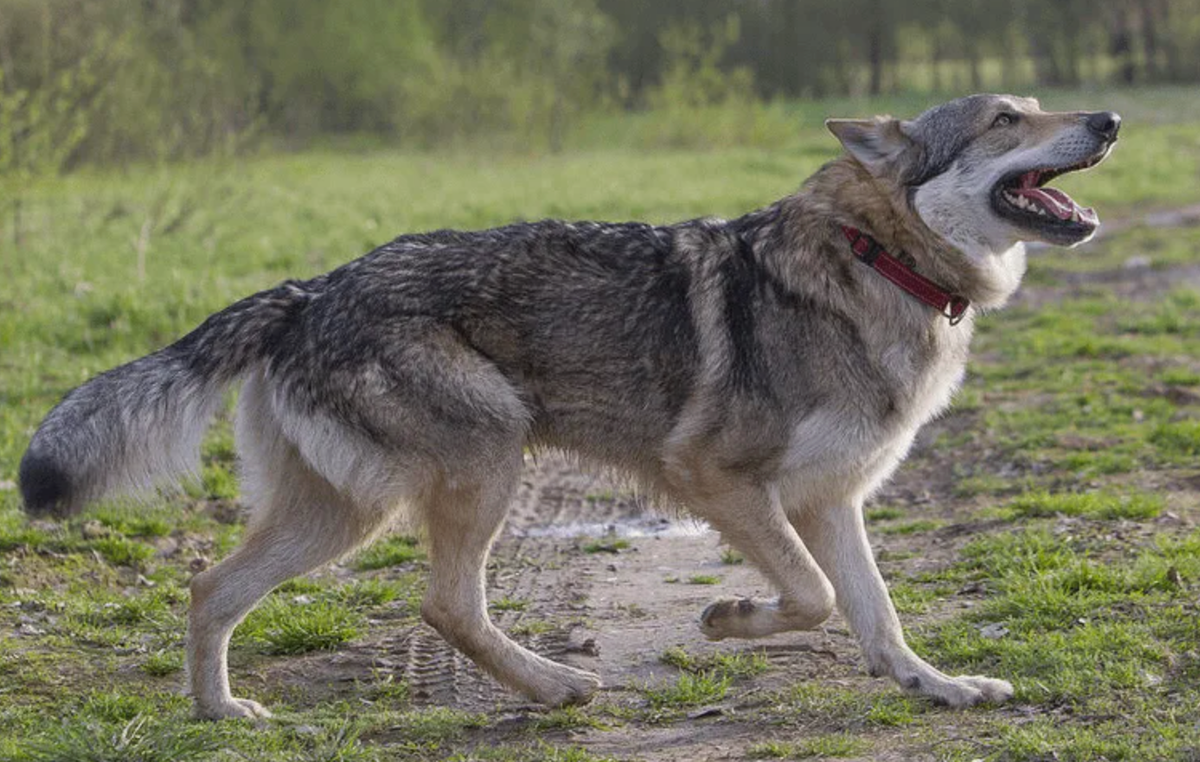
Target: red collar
(870, 253)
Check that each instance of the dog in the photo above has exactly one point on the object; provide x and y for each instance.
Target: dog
(765, 373)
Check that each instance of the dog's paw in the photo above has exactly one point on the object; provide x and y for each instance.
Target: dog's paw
(231, 709)
(984, 690)
(566, 686)
(756, 618)
(725, 618)
(963, 691)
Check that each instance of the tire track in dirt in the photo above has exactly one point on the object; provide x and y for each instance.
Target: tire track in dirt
(613, 613)
(532, 573)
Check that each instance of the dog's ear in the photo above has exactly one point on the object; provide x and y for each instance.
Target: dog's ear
(880, 144)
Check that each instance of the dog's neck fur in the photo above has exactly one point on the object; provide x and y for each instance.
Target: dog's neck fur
(843, 192)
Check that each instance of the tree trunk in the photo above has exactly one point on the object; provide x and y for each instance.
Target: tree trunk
(938, 56)
(1120, 47)
(875, 49)
(795, 68)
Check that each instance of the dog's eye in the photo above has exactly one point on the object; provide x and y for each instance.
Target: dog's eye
(1004, 120)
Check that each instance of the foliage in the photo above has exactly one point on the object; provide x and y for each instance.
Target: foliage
(1078, 432)
(110, 81)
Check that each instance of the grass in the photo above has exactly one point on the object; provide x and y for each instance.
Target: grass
(121, 551)
(531, 627)
(163, 663)
(608, 545)
(509, 604)
(1100, 505)
(911, 527)
(689, 689)
(390, 551)
(731, 557)
(138, 739)
(737, 665)
(280, 626)
(1074, 442)
(884, 514)
(833, 746)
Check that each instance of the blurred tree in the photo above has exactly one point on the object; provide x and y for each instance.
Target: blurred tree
(563, 44)
(175, 78)
(318, 66)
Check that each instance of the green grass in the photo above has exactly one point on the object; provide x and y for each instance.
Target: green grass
(838, 708)
(121, 551)
(884, 514)
(1075, 438)
(731, 557)
(139, 739)
(509, 604)
(163, 663)
(567, 718)
(390, 551)
(1099, 505)
(366, 593)
(609, 545)
(689, 689)
(911, 527)
(279, 626)
(536, 752)
(833, 746)
(737, 665)
(530, 627)
(1177, 440)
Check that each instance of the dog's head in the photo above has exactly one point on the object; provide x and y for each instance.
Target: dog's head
(975, 169)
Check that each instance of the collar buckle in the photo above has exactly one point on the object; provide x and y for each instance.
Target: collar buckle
(956, 309)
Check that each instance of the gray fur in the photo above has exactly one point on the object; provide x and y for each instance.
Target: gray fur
(748, 370)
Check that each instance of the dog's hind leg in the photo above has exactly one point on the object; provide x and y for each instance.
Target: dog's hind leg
(751, 519)
(299, 523)
(463, 516)
(305, 525)
(839, 541)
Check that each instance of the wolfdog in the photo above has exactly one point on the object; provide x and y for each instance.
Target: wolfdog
(765, 373)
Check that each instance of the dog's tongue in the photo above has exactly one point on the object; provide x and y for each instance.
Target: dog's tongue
(1056, 202)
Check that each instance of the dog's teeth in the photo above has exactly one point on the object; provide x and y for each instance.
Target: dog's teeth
(1075, 214)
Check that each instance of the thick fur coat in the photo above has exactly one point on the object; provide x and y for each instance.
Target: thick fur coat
(751, 371)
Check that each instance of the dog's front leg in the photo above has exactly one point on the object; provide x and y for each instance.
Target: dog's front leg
(838, 540)
(751, 519)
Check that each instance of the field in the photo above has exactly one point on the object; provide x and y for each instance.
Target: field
(1044, 531)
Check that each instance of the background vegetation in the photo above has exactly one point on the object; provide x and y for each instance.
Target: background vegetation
(160, 159)
(114, 80)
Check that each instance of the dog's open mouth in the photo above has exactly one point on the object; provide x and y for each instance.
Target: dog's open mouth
(1024, 198)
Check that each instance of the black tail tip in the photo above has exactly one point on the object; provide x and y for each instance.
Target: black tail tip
(44, 486)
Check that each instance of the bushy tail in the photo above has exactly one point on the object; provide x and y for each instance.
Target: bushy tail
(142, 422)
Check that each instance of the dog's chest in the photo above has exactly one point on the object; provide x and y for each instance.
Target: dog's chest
(927, 374)
(847, 445)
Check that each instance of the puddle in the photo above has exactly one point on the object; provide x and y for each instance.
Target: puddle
(633, 527)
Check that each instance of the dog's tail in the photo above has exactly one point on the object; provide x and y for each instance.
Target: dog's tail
(142, 422)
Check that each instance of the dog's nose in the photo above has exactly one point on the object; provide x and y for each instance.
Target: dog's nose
(1106, 124)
